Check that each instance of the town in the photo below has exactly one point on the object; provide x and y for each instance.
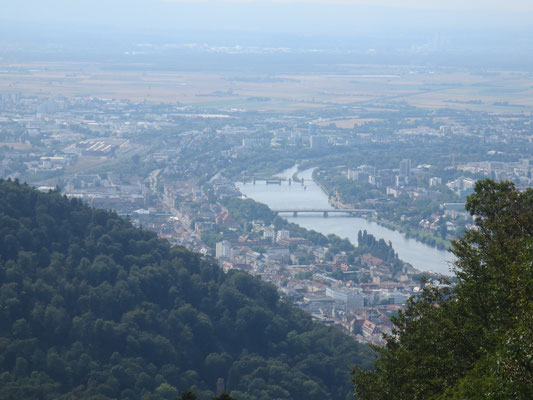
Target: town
(173, 169)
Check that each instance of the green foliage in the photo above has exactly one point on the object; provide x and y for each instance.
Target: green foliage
(336, 244)
(211, 238)
(223, 396)
(378, 248)
(390, 211)
(248, 210)
(348, 190)
(472, 340)
(188, 395)
(93, 308)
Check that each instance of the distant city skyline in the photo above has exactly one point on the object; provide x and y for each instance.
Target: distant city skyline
(452, 32)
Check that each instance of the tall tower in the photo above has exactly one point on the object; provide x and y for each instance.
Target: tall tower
(220, 386)
(405, 167)
(312, 129)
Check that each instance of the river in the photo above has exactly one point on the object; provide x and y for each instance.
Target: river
(419, 255)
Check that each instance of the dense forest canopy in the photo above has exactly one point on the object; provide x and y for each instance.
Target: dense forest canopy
(91, 307)
(473, 340)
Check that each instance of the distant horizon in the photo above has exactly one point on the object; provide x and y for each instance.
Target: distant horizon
(384, 31)
(276, 16)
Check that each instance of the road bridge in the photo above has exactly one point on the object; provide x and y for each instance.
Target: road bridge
(271, 180)
(325, 211)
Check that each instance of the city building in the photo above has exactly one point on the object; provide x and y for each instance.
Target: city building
(223, 250)
(349, 297)
(405, 167)
(282, 234)
(312, 129)
(435, 181)
(318, 142)
(269, 232)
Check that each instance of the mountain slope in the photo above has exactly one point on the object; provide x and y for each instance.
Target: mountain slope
(91, 307)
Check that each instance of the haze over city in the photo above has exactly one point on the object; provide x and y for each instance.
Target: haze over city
(451, 32)
(266, 199)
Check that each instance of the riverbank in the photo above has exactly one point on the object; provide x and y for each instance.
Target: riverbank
(416, 253)
(419, 235)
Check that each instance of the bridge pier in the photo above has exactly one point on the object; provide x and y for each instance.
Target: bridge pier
(325, 214)
(295, 213)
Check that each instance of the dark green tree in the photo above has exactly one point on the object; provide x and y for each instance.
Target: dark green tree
(224, 396)
(94, 308)
(473, 339)
(188, 395)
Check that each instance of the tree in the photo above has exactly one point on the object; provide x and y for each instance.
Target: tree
(188, 395)
(473, 339)
(92, 307)
(166, 391)
(224, 396)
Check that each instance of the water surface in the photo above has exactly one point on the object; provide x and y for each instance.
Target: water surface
(310, 195)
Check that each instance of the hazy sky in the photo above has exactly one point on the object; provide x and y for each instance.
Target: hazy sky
(520, 5)
(304, 16)
(475, 30)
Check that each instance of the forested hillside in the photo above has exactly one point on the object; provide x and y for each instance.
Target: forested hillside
(472, 340)
(91, 307)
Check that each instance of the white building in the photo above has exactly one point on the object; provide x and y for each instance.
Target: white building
(282, 234)
(269, 232)
(435, 181)
(351, 298)
(461, 183)
(223, 249)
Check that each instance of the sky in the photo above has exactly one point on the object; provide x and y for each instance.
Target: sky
(519, 5)
(502, 29)
(304, 16)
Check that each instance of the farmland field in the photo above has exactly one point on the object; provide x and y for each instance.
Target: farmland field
(499, 91)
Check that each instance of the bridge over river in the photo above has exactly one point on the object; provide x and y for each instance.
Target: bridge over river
(271, 180)
(325, 211)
